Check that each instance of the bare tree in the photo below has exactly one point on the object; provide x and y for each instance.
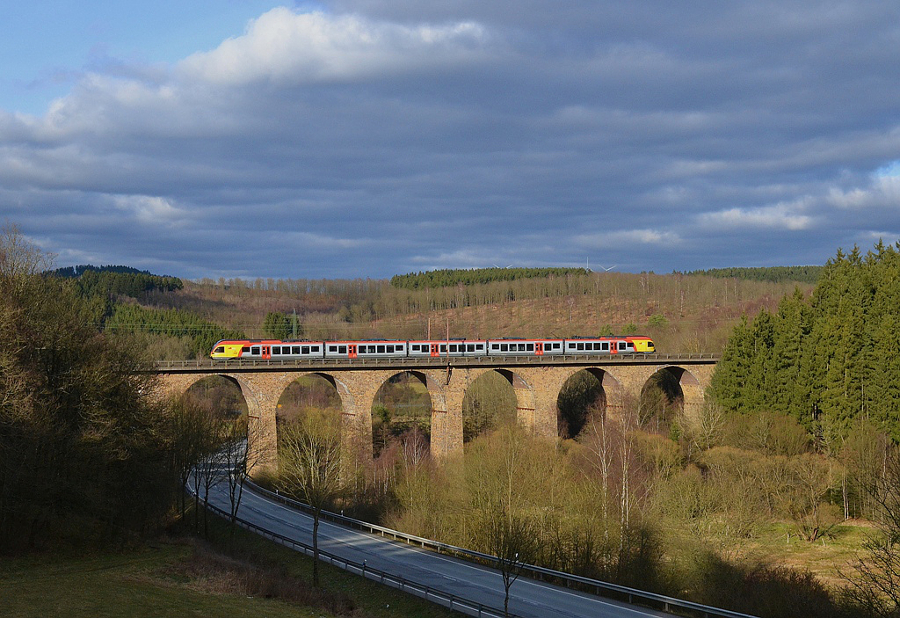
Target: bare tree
(19, 257)
(187, 440)
(210, 468)
(875, 581)
(512, 538)
(310, 468)
(238, 460)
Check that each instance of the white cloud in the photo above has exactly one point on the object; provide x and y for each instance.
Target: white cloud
(283, 46)
(782, 216)
(149, 209)
(882, 192)
(624, 238)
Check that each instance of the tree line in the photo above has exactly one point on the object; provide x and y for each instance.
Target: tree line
(452, 277)
(775, 274)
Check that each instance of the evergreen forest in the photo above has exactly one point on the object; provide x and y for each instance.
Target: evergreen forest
(830, 360)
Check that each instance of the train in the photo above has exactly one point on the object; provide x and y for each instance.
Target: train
(273, 349)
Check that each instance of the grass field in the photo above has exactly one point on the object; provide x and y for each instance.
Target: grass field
(184, 577)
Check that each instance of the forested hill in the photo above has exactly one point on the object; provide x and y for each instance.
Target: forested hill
(775, 274)
(474, 276)
(116, 280)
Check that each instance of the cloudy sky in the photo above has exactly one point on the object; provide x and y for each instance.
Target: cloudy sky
(366, 138)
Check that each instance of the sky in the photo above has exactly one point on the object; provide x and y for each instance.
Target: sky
(367, 138)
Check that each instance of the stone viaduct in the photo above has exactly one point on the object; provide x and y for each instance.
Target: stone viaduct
(537, 382)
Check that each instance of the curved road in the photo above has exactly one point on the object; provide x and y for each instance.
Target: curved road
(528, 598)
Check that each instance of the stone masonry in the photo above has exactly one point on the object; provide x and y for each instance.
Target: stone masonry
(537, 388)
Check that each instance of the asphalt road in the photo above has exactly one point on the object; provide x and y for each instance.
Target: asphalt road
(528, 598)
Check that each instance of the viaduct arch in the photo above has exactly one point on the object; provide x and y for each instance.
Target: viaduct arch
(537, 386)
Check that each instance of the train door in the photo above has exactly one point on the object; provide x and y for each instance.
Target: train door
(435, 350)
(267, 352)
(613, 347)
(539, 348)
(351, 350)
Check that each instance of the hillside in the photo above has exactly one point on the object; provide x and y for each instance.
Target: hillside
(684, 313)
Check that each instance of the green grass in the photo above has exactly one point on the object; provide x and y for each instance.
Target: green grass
(825, 557)
(122, 584)
(186, 578)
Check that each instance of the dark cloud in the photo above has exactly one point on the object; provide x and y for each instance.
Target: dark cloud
(388, 136)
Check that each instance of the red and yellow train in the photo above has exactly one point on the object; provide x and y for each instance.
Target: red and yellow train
(265, 349)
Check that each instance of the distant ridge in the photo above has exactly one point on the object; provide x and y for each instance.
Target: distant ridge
(68, 272)
(775, 274)
(473, 276)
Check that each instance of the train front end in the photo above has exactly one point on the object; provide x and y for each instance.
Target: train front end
(227, 350)
(642, 345)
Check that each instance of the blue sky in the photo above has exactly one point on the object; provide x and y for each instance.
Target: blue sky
(366, 138)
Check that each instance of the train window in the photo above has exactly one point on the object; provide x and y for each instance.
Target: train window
(381, 349)
(342, 349)
(504, 347)
(470, 347)
(453, 347)
(255, 350)
(495, 346)
(390, 349)
(304, 350)
(332, 348)
(529, 347)
(581, 347)
(605, 346)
